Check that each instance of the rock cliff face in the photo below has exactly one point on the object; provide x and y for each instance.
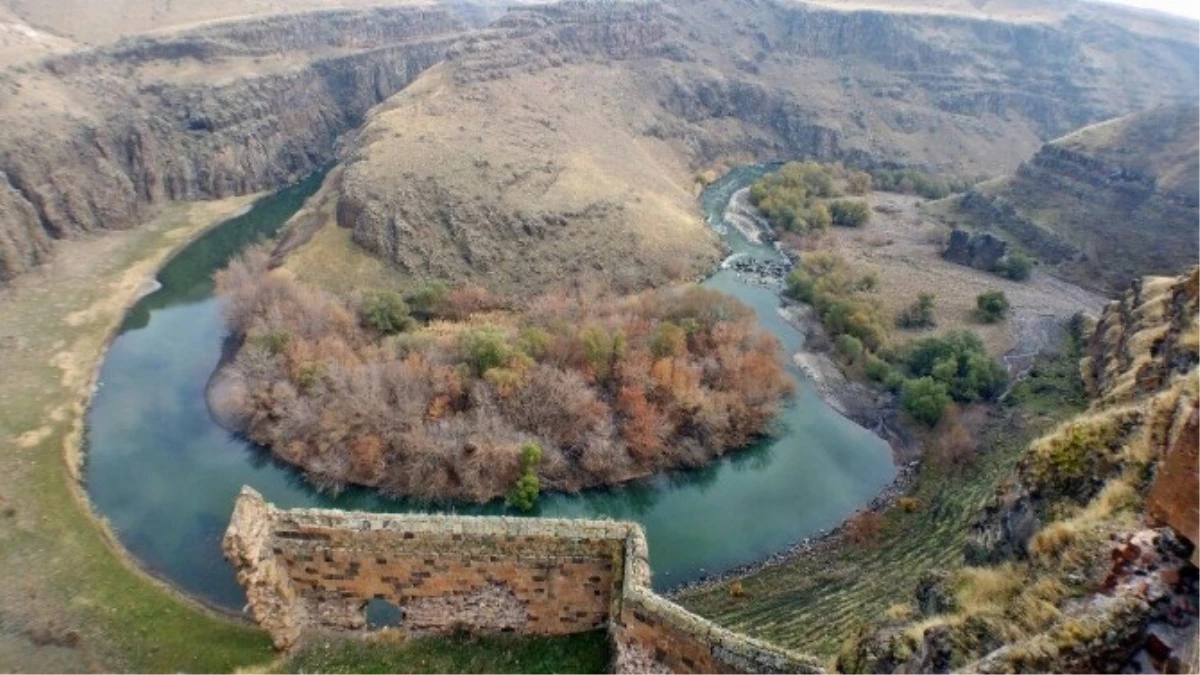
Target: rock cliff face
(91, 140)
(627, 98)
(1108, 204)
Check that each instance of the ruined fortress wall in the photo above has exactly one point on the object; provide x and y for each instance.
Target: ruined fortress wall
(316, 570)
(1173, 495)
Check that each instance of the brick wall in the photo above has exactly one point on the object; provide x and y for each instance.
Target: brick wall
(317, 569)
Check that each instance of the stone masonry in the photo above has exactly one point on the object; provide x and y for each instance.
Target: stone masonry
(316, 570)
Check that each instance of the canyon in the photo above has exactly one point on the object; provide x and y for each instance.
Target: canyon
(97, 137)
(1104, 205)
(553, 146)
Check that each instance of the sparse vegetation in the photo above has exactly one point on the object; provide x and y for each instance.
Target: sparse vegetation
(608, 388)
(1016, 266)
(919, 314)
(914, 182)
(814, 602)
(991, 306)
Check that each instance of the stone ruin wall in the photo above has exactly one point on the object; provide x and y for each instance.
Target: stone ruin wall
(1174, 498)
(315, 571)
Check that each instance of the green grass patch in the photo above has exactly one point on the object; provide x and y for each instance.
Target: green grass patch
(580, 653)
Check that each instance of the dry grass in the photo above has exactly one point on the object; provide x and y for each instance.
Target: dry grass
(458, 163)
(911, 264)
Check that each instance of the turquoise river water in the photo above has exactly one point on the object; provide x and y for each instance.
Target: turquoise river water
(165, 475)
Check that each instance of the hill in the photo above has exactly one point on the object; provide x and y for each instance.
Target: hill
(600, 118)
(1103, 205)
(96, 138)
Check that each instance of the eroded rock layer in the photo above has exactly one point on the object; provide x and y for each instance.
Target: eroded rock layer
(92, 140)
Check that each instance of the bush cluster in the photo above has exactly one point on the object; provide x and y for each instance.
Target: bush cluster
(991, 306)
(1016, 266)
(919, 314)
(914, 182)
(609, 388)
(789, 198)
(849, 212)
(825, 281)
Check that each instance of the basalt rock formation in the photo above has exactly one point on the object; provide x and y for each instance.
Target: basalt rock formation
(981, 251)
(1107, 204)
(92, 140)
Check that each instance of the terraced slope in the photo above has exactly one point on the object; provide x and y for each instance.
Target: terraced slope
(816, 601)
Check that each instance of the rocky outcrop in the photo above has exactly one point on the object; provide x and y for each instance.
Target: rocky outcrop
(195, 115)
(1144, 339)
(1173, 497)
(1108, 204)
(981, 251)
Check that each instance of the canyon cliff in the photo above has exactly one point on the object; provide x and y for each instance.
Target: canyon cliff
(93, 139)
(1104, 205)
(566, 141)
(626, 103)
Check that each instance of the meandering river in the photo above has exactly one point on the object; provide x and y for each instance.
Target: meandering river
(165, 475)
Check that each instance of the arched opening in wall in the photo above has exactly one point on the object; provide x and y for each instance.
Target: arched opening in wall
(382, 614)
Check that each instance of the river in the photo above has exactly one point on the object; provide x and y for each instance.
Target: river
(165, 475)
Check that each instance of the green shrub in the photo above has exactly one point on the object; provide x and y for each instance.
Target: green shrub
(535, 342)
(850, 347)
(430, 300)
(485, 348)
(1016, 266)
(274, 341)
(919, 314)
(524, 493)
(787, 197)
(925, 399)
(849, 213)
(876, 368)
(991, 306)
(386, 312)
(958, 361)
